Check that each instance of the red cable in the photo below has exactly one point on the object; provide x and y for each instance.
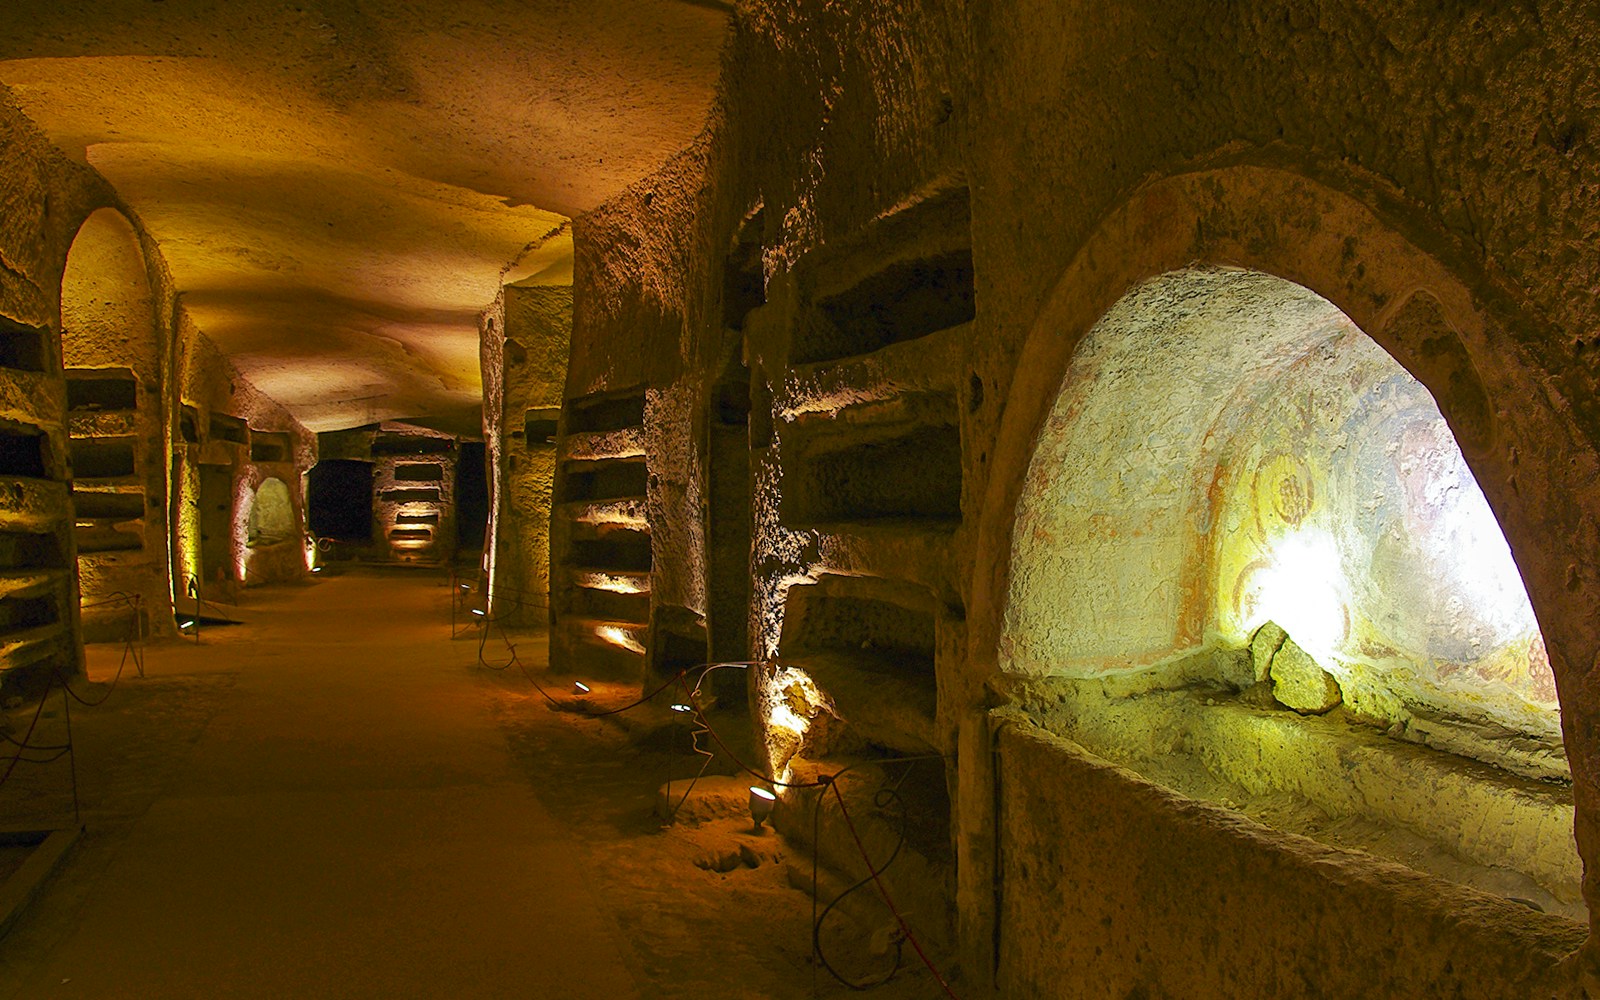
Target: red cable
(904, 927)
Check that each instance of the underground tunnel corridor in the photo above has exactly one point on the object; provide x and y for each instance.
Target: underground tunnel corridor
(1145, 456)
(333, 799)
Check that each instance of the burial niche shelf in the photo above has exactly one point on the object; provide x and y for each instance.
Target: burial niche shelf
(229, 429)
(602, 412)
(609, 479)
(860, 475)
(23, 347)
(23, 453)
(100, 390)
(103, 458)
(869, 645)
(270, 446)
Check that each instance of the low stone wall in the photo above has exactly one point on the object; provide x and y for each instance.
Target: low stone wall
(1116, 887)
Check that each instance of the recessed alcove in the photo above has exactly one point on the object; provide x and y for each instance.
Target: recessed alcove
(869, 645)
(904, 301)
(230, 429)
(539, 426)
(91, 390)
(876, 474)
(22, 453)
(412, 495)
(271, 519)
(102, 458)
(270, 446)
(410, 444)
(21, 551)
(604, 480)
(426, 472)
(1251, 563)
(23, 347)
(21, 614)
(617, 549)
(605, 412)
(108, 506)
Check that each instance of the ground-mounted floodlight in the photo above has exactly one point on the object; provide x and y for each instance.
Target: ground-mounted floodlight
(762, 801)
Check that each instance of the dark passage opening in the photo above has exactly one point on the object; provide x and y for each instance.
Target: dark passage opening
(339, 500)
(472, 495)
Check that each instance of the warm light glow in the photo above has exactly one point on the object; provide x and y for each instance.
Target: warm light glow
(780, 691)
(1302, 589)
(626, 513)
(616, 583)
(618, 636)
(762, 802)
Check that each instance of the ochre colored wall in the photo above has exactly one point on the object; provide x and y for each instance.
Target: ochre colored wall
(1422, 169)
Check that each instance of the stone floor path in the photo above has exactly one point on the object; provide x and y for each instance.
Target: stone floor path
(346, 823)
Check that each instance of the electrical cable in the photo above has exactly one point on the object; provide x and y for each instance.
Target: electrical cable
(883, 891)
(831, 781)
(28, 736)
(879, 800)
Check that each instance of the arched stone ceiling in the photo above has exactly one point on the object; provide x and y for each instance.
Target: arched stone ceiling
(340, 186)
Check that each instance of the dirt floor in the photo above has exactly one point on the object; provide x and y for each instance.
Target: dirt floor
(253, 743)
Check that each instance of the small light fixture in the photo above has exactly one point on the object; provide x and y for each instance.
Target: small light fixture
(762, 801)
(186, 624)
(579, 687)
(316, 569)
(681, 707)
(478, 611)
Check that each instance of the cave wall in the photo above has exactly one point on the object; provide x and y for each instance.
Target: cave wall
(241, 438)
(525, 346)
(1428, 171)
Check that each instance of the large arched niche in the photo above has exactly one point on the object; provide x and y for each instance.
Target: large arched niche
(1431, 308)
(110, 348)
(1229, 450)
(108, 314)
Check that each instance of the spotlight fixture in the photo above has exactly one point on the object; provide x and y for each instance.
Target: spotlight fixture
(579, 687)
(478, 611)
(316, 569)
(681, 707)
(186, 624)
(762, 801)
